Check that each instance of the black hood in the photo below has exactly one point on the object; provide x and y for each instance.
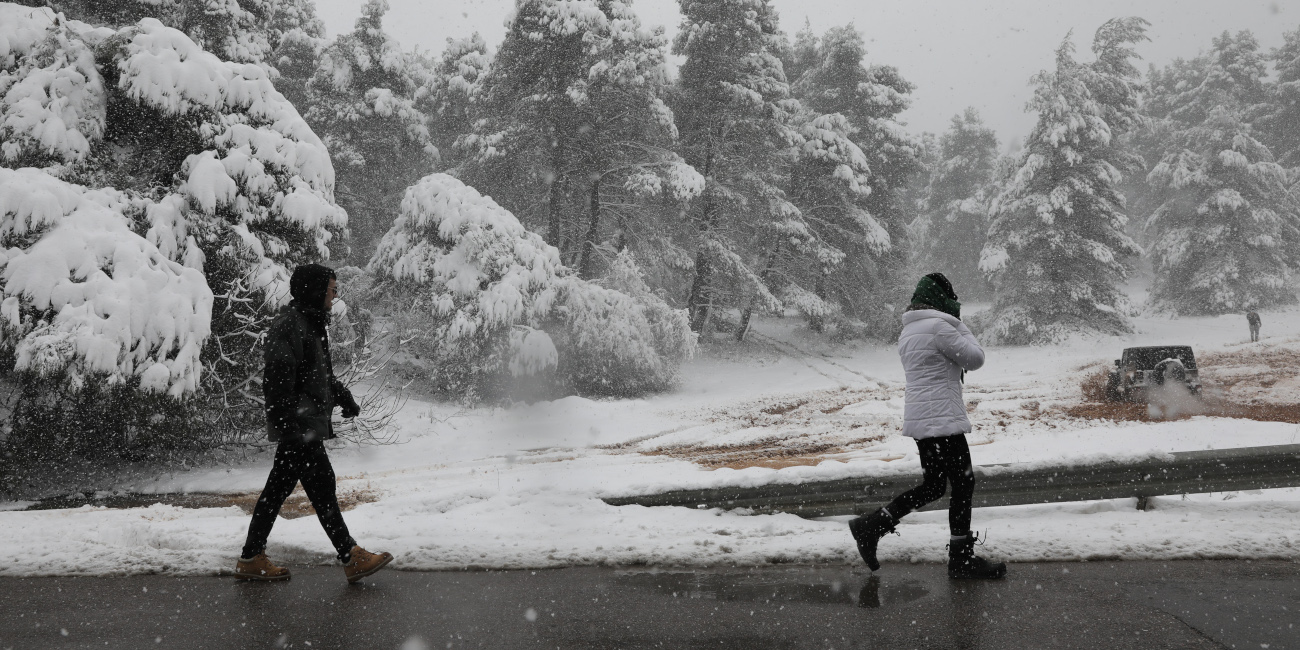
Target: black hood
(308, 286)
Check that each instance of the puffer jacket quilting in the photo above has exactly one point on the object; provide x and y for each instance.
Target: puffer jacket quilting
(935, 348)
(298, 384)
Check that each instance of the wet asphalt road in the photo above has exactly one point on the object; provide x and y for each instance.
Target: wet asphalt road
(1198, 604)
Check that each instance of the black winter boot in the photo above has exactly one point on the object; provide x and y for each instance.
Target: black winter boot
(963, 564)
(867, 531)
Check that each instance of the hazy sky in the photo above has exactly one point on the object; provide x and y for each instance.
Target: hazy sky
(959, 53)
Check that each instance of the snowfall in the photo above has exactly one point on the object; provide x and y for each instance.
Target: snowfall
(522, 487)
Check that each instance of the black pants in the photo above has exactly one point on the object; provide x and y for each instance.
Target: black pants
(306, 462)
(943, 460)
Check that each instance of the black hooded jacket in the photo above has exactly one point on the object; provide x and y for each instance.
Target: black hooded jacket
(298, 381)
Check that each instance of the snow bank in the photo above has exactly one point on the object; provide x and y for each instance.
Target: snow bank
(90, 296)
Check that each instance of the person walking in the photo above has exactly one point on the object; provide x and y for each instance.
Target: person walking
(301, 392)
(1252, 319)
(937, 349)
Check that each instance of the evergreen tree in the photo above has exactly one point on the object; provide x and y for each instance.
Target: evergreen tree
(1057, 247)
(802, 54)
(524, 149)
(624, 149)
(577, 138)
(954, 224)
(872, 235)
(735, 116)
(298, 38)
(362, 102)
(828, 182)
(1223, 222)
(164, 188)
(1281, 123)
(452, 92)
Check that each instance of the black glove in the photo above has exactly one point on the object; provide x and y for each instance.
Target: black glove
(350, 407)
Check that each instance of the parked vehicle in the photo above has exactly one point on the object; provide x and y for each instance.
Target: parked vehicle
(1140, 370)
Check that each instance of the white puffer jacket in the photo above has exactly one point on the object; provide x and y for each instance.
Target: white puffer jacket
(935, 348)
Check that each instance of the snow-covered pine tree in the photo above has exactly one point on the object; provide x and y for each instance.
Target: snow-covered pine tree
(828, 182)
(1280, 124)
(735, 117)
(523, 149)
(190, 166)
(625, 139)
(954, 224)
(1057, 247)
(1223, 228)
(492, 305)
(297, 37)
(450, 96)
(872, 235)
(582, 150)
(362, 101)
(802, 54)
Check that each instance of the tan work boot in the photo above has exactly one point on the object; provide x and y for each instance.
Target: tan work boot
(259, 568)
(364, 563)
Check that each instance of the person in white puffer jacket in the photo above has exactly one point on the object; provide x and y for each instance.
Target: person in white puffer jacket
(937, 350)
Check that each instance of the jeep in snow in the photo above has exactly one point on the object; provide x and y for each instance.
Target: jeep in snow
(1140, 370)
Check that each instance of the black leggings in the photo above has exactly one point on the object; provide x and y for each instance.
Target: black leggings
(943, 460)
(306, 462)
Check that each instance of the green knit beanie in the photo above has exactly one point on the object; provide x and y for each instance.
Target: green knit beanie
(935, 291)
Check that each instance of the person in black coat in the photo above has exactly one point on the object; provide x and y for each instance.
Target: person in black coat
(301, 393)
(1252, 319)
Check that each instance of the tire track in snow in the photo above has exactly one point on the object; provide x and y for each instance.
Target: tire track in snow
(802, 355)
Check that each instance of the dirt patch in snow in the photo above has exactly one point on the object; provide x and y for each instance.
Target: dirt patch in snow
(782, 430)
(1211, 407)
(1257, 383)
(772, 453)
(297, 505)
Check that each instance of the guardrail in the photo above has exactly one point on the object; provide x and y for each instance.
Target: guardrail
(1184, 472)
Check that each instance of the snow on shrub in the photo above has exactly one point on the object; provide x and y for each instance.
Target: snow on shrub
(51, 96)
(91, 297)
(210, 168)
(619, 339)
(263, 188)
(257, 185)
(499, 304)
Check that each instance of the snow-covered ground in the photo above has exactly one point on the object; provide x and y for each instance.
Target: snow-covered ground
(521, 487)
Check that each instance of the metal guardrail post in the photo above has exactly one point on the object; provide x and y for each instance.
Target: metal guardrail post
(1188, 472)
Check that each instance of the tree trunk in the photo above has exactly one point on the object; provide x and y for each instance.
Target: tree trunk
(818, 323)
(554, 226)
(749, 308)
(700, 303)
(586, 264)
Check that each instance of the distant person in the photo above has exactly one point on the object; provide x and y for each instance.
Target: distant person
(1252, 319)
(301, 393)
(936, 349)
